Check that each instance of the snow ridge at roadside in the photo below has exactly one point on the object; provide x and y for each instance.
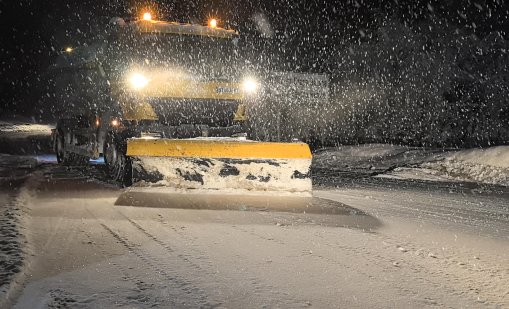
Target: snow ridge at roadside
(488, 165)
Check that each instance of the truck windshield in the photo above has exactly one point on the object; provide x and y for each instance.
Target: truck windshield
(199, 54)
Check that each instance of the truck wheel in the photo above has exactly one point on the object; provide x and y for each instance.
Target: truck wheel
(63, 156)
(66, 157)
(77, 159)
(117, 163)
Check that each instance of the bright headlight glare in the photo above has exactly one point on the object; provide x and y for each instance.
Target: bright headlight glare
(138, 81)
(250, 85)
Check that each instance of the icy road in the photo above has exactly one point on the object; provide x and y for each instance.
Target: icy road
(365, 243)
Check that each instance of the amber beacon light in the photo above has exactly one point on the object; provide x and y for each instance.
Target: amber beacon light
(213, 23)
(147, 16)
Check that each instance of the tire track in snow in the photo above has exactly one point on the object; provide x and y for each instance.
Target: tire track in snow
(411, 269)
(190, 248)
(494, 280)
(13, 251)
(420, 210)
(138, 292)
(191, 253)
(168, 274)
(166, 246)
(456, 273)
(382, 262)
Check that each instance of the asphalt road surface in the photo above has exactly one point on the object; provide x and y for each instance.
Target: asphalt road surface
(360, 243)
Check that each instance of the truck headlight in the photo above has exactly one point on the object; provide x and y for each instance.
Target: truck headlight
(138, 81)
(250, 85)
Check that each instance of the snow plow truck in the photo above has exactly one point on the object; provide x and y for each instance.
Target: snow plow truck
(165, 104)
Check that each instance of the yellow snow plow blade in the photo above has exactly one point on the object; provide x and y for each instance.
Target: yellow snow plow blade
(221, 164)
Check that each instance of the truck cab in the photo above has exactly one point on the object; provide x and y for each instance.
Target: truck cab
(148, 79)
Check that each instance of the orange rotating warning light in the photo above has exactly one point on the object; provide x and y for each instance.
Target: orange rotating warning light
(213, 23)
(147, 16)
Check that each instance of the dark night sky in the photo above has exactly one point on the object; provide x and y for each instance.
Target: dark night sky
(33, 31)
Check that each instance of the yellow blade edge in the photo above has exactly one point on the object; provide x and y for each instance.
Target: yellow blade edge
(216, 148)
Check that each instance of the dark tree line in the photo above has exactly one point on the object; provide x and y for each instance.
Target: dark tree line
(438, 86)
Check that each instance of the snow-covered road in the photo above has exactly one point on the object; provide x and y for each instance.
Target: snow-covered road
(381, 243)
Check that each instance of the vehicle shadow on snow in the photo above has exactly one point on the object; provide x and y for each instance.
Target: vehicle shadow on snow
(296, 210)
(209, 208)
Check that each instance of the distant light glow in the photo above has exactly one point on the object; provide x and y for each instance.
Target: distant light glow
(147, 16)
(213, 23)
(68, 49)
(115, 122)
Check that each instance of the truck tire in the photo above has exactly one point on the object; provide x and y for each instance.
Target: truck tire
(65, 157)
(118, 165)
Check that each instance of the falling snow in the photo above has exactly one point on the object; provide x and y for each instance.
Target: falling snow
(404, 103)
(419, 73)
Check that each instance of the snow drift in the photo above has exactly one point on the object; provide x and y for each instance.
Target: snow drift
(483, 165)
(488, 165)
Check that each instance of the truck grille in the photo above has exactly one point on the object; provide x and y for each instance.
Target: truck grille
(214, 113)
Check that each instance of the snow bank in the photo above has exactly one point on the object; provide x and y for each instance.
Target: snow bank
(12, 241)
(358, 151)
(371, 159)
(493, 156)
(27, 128)
(17, 137)
(14, 170)
(488, 165)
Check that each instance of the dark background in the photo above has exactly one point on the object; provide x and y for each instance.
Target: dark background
(432, 72)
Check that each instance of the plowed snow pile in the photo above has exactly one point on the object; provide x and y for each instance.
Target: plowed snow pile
(13, 172)
(488, 165)
(25, 128)
(18, 137)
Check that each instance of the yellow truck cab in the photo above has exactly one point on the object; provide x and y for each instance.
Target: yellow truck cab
(148, 79)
